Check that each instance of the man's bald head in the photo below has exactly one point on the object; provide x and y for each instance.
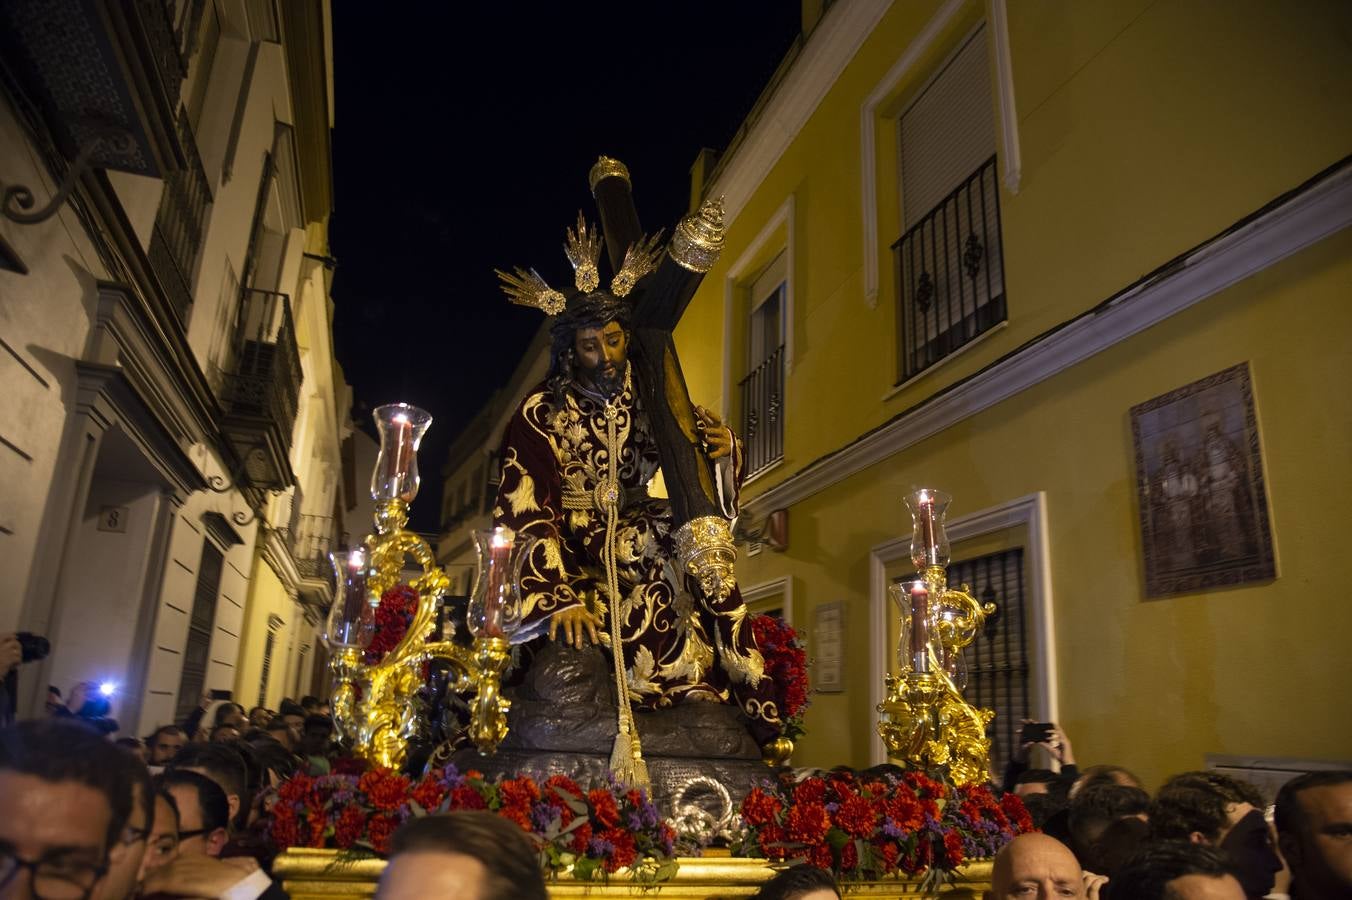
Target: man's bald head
(1038, 863)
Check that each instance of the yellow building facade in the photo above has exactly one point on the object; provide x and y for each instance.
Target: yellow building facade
(1173, 198)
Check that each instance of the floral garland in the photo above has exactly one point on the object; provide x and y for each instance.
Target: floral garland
(594, 832)
(786, 666)
(867, 826)
(394, 615)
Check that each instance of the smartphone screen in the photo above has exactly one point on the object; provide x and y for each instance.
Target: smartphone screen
(222, 694)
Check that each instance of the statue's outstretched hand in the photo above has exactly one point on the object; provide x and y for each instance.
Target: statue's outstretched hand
(718, 438)
(574, 622)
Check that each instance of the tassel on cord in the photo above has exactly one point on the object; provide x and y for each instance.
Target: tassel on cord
(626, 756)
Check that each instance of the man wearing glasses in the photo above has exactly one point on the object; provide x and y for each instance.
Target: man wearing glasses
(65, 804)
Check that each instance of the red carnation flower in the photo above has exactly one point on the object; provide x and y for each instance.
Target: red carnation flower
(771, 842)
(565, 784)
(518, 814)
(810, 790)
(856, 817)
(349, 827)
(625, 851)
(953, 848)
(604, 810)
(429, 793)
(807, 823)
(1012, 804)
(466, 797)
(760, 808)
(285, 829)
(580, 838)
(379, 829)
(849, 857)
(386, 789)
(889, 853)
(518, 791)
(820, 856)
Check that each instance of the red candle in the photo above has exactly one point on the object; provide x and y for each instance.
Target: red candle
(920, 629)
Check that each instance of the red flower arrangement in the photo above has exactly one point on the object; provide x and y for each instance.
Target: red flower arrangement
(594, 832)
(398, 605)
(867, 827)
(786, 666)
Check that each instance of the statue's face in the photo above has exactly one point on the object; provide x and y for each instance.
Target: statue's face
(602, 354)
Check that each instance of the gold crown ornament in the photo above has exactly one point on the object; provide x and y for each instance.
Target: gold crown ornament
(583, 249)
(698, 240)
(525, 287)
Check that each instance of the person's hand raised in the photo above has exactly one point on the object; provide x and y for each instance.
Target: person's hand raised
(11, 653)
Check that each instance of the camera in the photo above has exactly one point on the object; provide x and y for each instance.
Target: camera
(33, 646)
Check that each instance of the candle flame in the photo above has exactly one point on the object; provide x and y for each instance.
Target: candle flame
(500, 538)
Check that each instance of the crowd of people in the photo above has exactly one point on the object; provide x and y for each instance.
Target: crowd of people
(181, 814)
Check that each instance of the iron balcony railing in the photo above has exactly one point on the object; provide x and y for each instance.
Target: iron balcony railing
(264, 375)
(311, 539)
(763, 413)
(180, 223)
(950, 274)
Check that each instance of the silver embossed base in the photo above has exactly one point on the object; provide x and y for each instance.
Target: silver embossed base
(563, 721)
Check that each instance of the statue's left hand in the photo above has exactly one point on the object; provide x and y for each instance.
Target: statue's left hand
(574, 621)
(717, 436)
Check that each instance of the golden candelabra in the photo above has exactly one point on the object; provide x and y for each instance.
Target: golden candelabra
(925, 721)
(372, 702)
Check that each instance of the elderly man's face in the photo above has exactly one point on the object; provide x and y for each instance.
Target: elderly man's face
(602, 354)
(1320, 849)
(427, 873)
(1036, 867)
(61, 825)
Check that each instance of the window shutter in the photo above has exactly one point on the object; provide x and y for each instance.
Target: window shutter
(949, 131)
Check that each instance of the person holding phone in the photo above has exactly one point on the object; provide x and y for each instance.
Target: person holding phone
(1050, 737)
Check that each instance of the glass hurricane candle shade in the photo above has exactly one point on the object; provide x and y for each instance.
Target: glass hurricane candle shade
(352, 620)
(929, 540)
(401, 429)
(917, 650)
(495, 605)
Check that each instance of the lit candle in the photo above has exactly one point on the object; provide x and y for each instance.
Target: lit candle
(398, 462)
(495, 599)
(920, 629)
(927, 529)
(354, 594)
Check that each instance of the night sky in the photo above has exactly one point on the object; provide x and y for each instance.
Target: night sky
(462, 140)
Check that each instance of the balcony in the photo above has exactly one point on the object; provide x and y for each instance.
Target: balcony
(310, 540)
(763, 414)
(180, 224)
(950, 274)
(103, 68)
(261, 388)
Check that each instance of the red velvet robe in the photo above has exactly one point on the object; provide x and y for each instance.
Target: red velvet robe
(677, 643)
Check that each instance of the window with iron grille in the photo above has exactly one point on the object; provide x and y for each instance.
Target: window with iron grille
(200, 622)
(949, 263)
(997, 661)
(274, 625)
(762, 390)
